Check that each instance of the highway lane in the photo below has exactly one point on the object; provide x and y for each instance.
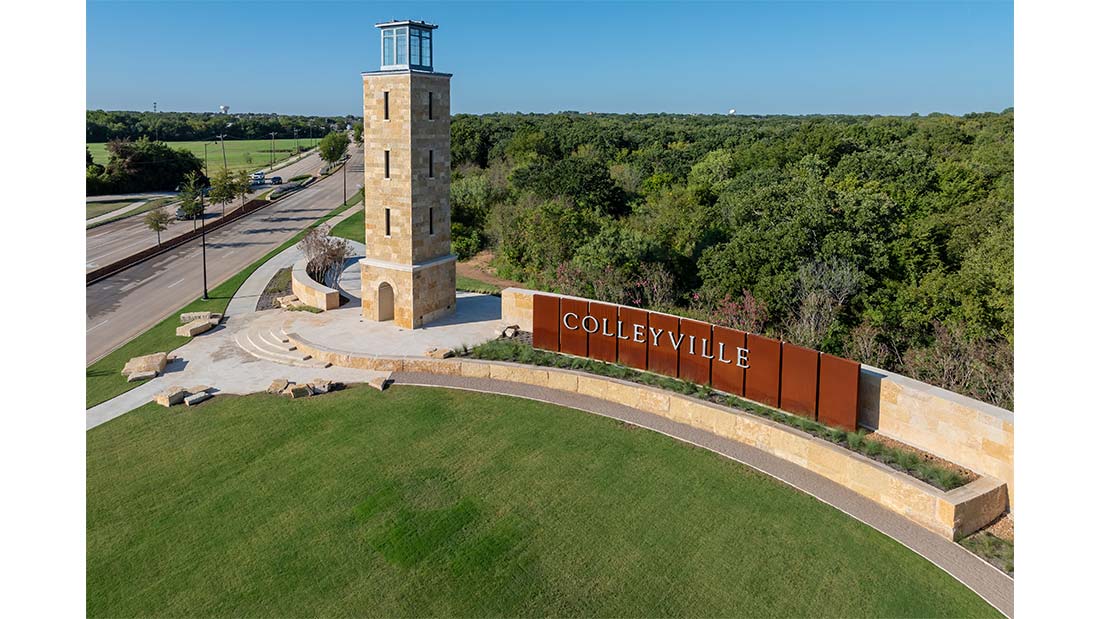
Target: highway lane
(118, 239)
(125, 304)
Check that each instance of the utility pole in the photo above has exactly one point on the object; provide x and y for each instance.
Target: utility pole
(205, 161)
(225, 163)
(346, 180)
(156, 125)
(272, 149)
(296, 142)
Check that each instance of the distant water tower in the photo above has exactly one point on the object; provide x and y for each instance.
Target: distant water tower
(224, 109)
(732, 111)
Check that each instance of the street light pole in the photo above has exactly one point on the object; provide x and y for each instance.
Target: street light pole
(202, 214)
(346, 180)
(272, 149)
(205, 160)
(296, 142)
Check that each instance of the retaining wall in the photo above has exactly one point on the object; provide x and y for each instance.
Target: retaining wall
(963, 430)
(949, 514)
(311, 292)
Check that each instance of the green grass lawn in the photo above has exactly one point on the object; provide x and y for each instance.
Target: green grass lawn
(104, 379)
(237, 152)
(95, 209)
(352, 228)
(431, 502)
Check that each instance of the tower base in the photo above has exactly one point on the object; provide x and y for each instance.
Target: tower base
(410, 296)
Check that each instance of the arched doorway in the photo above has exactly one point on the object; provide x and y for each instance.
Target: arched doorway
(385, 302)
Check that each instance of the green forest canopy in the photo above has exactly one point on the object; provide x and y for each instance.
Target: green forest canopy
(884, 239)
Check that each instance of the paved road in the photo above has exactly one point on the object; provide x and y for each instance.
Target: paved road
(118, 239)
(125, 304)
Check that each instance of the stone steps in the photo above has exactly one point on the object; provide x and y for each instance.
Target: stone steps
(272, 345)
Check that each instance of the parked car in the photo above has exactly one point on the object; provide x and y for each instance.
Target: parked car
(276, 180)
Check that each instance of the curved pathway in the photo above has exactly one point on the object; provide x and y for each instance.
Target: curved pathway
(988, 582)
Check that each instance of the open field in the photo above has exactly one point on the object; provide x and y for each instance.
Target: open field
(95, 209)
(237, 152)
(429, 502)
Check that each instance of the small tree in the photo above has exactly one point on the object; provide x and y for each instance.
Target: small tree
(191, 198)
(333, 147)
(325, 255)
(242, 185)
(158, 221)
(222, 189)
(357, 133)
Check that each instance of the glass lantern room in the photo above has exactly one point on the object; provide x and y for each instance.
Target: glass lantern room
(406, 45)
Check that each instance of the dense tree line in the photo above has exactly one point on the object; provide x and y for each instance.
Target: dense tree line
(103, 126)
(142, 165)
(883, 239)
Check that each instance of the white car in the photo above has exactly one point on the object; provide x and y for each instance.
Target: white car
(257, 177)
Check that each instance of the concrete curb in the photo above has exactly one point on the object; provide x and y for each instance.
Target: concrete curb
(986, 581)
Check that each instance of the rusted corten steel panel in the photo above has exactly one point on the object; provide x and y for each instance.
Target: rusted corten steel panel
(662, 356)
(602, 344)
(573, 341)
(762, 375)
(798, 381)
(838, 392)
(727, 377)
(546, 320)
(693, 365)
(632, 353)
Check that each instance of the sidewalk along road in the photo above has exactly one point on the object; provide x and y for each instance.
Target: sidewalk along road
(123, 305)
(114, 241)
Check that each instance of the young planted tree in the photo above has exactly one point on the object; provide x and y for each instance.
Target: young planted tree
(242, 185)
(223, 189)
(191, 198)
(158, 221)
(357, 133)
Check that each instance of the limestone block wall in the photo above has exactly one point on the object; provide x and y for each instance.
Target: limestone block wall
(433, 291)
(401, 281)
(431, 140)
(381, 135)
(950, 514)
(311, 292)
(963, 430)
(973, 434)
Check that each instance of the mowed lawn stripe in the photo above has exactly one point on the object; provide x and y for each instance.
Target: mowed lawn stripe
(427, 502)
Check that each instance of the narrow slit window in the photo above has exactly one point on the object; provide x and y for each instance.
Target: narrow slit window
(430, 105)
(431, 220)
(387, 222)
(387, 171)
(386, 105)
(431, 164)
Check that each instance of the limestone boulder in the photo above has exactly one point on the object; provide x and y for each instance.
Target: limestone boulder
(278, 386)
(439, 353)
(171, 396)
(320, 385)
(196, 398)
(187, 317)
(298, 391)
(198, 389)
(136, 376)
(510, 331)
(289, 300)
(147, 363)
(195, 327)
(380, 382)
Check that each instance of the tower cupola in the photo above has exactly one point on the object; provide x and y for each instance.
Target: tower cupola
(406, 45)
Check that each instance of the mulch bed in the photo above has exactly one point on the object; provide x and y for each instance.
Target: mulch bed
(965, 473)
(279, 286)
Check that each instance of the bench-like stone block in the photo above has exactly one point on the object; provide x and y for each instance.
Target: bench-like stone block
(195, 398)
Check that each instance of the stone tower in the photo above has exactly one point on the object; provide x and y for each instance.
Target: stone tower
(409, 271)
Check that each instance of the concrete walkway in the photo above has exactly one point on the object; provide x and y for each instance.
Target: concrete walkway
(988, 582)
(117, 197)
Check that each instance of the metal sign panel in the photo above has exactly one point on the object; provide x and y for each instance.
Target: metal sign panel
(728, 377)
(798, 381)
(664, 331)
(602, 342)
(632, 331)
(762, 375)
(574, 339)
(838, 392)
(545, 329)
(694, 366)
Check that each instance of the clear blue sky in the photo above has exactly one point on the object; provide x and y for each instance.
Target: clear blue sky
(761, 58)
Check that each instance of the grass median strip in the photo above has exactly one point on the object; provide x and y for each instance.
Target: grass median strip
(104, 380)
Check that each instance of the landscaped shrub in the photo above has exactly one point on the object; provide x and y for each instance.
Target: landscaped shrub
(899, 459)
